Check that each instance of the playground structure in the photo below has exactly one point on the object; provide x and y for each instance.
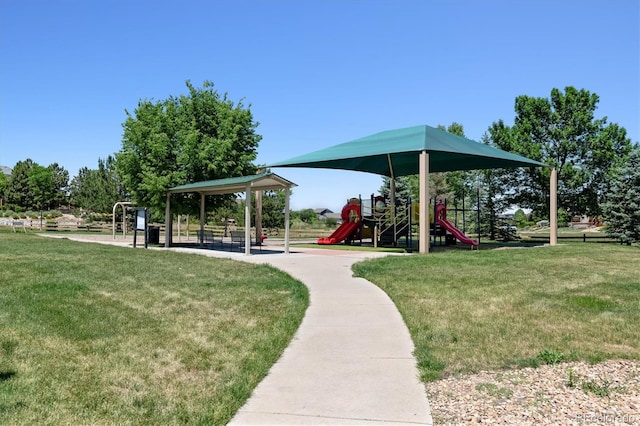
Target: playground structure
(440, 220)
(417, 150)
(392, 224)
(351, 226)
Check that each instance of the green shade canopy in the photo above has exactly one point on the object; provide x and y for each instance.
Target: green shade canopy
(395, 153)
(262, 182)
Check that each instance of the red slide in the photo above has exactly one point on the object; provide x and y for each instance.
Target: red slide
(350, 224)
(441, 219)
(343, 231)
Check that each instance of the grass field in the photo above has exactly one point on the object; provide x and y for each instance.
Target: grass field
(93, 334)
(476, 310)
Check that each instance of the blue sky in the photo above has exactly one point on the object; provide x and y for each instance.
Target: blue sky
(316, 73)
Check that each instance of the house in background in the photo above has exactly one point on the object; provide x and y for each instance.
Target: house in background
(324, 214)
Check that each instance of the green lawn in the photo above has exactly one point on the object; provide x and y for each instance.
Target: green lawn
(94, 334)
(474, 310)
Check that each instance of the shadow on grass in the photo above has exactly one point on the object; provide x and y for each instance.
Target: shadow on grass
(224, 249)
(6, 375)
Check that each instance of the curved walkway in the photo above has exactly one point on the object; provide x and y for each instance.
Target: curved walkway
(349, 363)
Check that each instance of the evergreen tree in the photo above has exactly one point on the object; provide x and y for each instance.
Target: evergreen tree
(18, 191)
(4, 181)
(622, 207)
(404, 190)
(97, 190)
(61, 185)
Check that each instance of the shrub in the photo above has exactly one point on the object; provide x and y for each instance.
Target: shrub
(551, 357)
(52, 214)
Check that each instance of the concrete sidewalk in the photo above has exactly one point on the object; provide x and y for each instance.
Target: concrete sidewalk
(349, 363)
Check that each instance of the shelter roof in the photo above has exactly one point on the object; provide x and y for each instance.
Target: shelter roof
(261, 182)
(395, 153)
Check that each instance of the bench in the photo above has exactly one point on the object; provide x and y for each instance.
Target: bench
(18, 224)
(237, 237)
(207, 239)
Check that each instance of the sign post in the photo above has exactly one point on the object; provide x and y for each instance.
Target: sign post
(141, 225)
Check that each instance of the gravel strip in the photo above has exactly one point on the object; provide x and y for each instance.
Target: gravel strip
(563, 394)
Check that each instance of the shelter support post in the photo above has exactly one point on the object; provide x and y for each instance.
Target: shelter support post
(287, 195)
(392, 191)
(202, 218)
(167, 222)
(113, 219)
(553, 208)
(423, 235)
(247, 221)
(258, 216)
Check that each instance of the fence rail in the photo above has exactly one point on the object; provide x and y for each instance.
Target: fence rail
(583, 237)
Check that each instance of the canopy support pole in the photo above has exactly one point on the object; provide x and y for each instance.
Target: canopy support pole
(553, 208)
(287, 194)
(247, 221)
(167, 222)
(392, 183)
(424, 236)
(258, 217)
(202, 219)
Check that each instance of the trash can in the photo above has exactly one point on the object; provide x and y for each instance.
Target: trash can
(153, 235)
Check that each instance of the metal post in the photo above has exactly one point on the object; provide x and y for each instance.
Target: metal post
(464, 214)
(478, 210)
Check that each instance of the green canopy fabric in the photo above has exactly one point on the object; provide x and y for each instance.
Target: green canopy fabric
(262, 182)
(395, 153)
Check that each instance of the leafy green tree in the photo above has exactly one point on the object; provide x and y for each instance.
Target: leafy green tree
(520, 218)
(42, 186)
(622, 207)
(307, 215)
(229, 209)
(195, 137)
(20, 190)
(273, 209)
(562, 131)
(99, 189)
